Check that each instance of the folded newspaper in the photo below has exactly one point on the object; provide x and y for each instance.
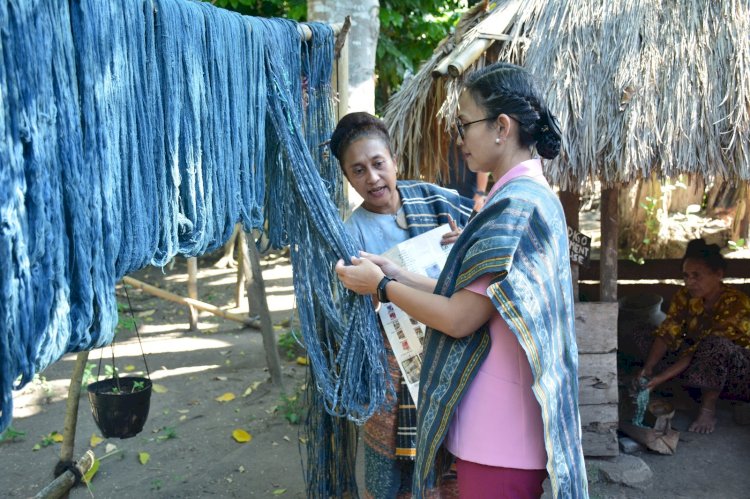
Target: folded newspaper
(424, 255)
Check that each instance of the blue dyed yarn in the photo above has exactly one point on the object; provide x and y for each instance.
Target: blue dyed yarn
(136, 130)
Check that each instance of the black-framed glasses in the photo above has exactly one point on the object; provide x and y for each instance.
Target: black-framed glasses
(461, 127)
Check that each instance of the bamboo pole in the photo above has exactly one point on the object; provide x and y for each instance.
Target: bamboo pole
(62, 484)
(342, 79)
(256, 295)
(71, 407)
(307, 32)
(207, 307)
(192, 289)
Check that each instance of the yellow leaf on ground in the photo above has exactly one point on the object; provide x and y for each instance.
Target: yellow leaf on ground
(91, 472)
(159, 388)
(130, 368)
(241, 436)
(302, 361)
(56, 437)
(156, 387)
(227, 397)
(95, 440)
(278, 492)
(143, 457)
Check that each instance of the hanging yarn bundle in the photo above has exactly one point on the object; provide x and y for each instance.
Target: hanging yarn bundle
(133, 131)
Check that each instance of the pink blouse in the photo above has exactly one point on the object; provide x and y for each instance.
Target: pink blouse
(498, 421)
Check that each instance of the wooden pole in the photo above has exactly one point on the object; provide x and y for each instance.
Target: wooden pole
(256, 295)
(62, 484)
(192, 289)
(207, 307)
(342, 79)
(239, 291)
(571, 203)
(71, 407)
(610, 222)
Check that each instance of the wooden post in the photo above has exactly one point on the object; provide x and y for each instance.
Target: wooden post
(192, 289)
(62, 484)
(239, 291)
(341, 80)
(71, 407)
(571, 203)
(256, 294)
(207, 307)
(610, 222)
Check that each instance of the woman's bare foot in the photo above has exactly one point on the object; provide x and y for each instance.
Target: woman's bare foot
(705, 422)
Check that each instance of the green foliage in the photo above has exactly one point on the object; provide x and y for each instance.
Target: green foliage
(291, 407)
(11, 435)
(736, 245)
(288, 345)
(409, 32)
(88, 374)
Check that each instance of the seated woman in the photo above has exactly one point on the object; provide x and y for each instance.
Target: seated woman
(705, 338)
(391, 212)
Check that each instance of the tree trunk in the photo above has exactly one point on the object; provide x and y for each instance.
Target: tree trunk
(363, 42)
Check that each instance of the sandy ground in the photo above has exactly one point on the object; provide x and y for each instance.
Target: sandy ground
(188, 435)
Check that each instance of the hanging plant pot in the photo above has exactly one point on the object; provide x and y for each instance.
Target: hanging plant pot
(120, 405)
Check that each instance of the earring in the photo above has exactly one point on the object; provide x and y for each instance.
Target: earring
(497, 140)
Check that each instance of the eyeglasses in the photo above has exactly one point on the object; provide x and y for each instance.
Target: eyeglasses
(461, 127)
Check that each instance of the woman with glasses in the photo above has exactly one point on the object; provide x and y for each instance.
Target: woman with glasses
(391, 212)
(499, 387)
(705, 338)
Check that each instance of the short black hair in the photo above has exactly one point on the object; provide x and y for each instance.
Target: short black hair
(353, 127)
(710, 254)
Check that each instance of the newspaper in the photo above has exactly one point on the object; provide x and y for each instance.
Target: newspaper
(424, 255)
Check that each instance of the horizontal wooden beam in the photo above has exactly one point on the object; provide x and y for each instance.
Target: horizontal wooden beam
(659, 269)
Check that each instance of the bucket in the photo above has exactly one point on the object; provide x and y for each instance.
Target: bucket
(639, 315)
(120, 412)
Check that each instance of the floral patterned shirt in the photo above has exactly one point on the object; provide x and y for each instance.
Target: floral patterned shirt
(687, 323)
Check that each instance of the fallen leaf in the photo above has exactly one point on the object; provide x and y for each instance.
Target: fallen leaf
(130, 368)
(143, 457)
(241, 436)
(56, 437)
(109, 448)
(183, 418)
(95, 440)
(278, 492)
(302, 361)
(303, 440)
(241, 469)
(220, 378)
(183, 411)
(256, 384)
(156, 387)
(92, 471)
(146, 313)
(227, 397)
(286, 438)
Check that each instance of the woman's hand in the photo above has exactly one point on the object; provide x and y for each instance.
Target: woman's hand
(388, 267)
(362, 276)
(452, 236)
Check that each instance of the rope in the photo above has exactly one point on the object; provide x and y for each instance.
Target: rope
(133, 131)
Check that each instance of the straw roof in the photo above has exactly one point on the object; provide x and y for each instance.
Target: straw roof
(639, 86)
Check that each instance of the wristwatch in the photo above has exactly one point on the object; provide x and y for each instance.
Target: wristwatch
(382, 295)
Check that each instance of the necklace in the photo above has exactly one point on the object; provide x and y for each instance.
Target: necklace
(400, 218)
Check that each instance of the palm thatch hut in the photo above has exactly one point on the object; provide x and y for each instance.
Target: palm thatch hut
(642, 89)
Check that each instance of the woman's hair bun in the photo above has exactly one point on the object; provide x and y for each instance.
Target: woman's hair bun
(549, 135)
(709, 253)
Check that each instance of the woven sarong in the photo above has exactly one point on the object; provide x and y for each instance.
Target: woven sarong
(520, 237)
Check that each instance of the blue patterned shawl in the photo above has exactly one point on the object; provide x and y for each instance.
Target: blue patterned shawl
(520, 236)
(427, 206)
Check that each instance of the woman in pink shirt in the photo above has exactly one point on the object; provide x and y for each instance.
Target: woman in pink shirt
(498, 388)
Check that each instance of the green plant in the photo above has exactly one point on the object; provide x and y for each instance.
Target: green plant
(169, 433)
(736, 245)
(88, 374)
(289, 345)
(291, 407)
(11, 435)
(138, 386)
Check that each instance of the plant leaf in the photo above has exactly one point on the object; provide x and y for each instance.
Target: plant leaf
(302, 361)
(95, 440)
(130, 368)
(143, 457)
(159, 388)
(91, 472)
(56, 437)
(241, 436)
(227, 397)
(278, 492)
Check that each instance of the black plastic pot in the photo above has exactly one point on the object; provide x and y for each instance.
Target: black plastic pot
(118, 411)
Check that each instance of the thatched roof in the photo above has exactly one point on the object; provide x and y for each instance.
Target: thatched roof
(639, 87)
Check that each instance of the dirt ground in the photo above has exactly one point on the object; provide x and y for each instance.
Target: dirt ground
(188, 435)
